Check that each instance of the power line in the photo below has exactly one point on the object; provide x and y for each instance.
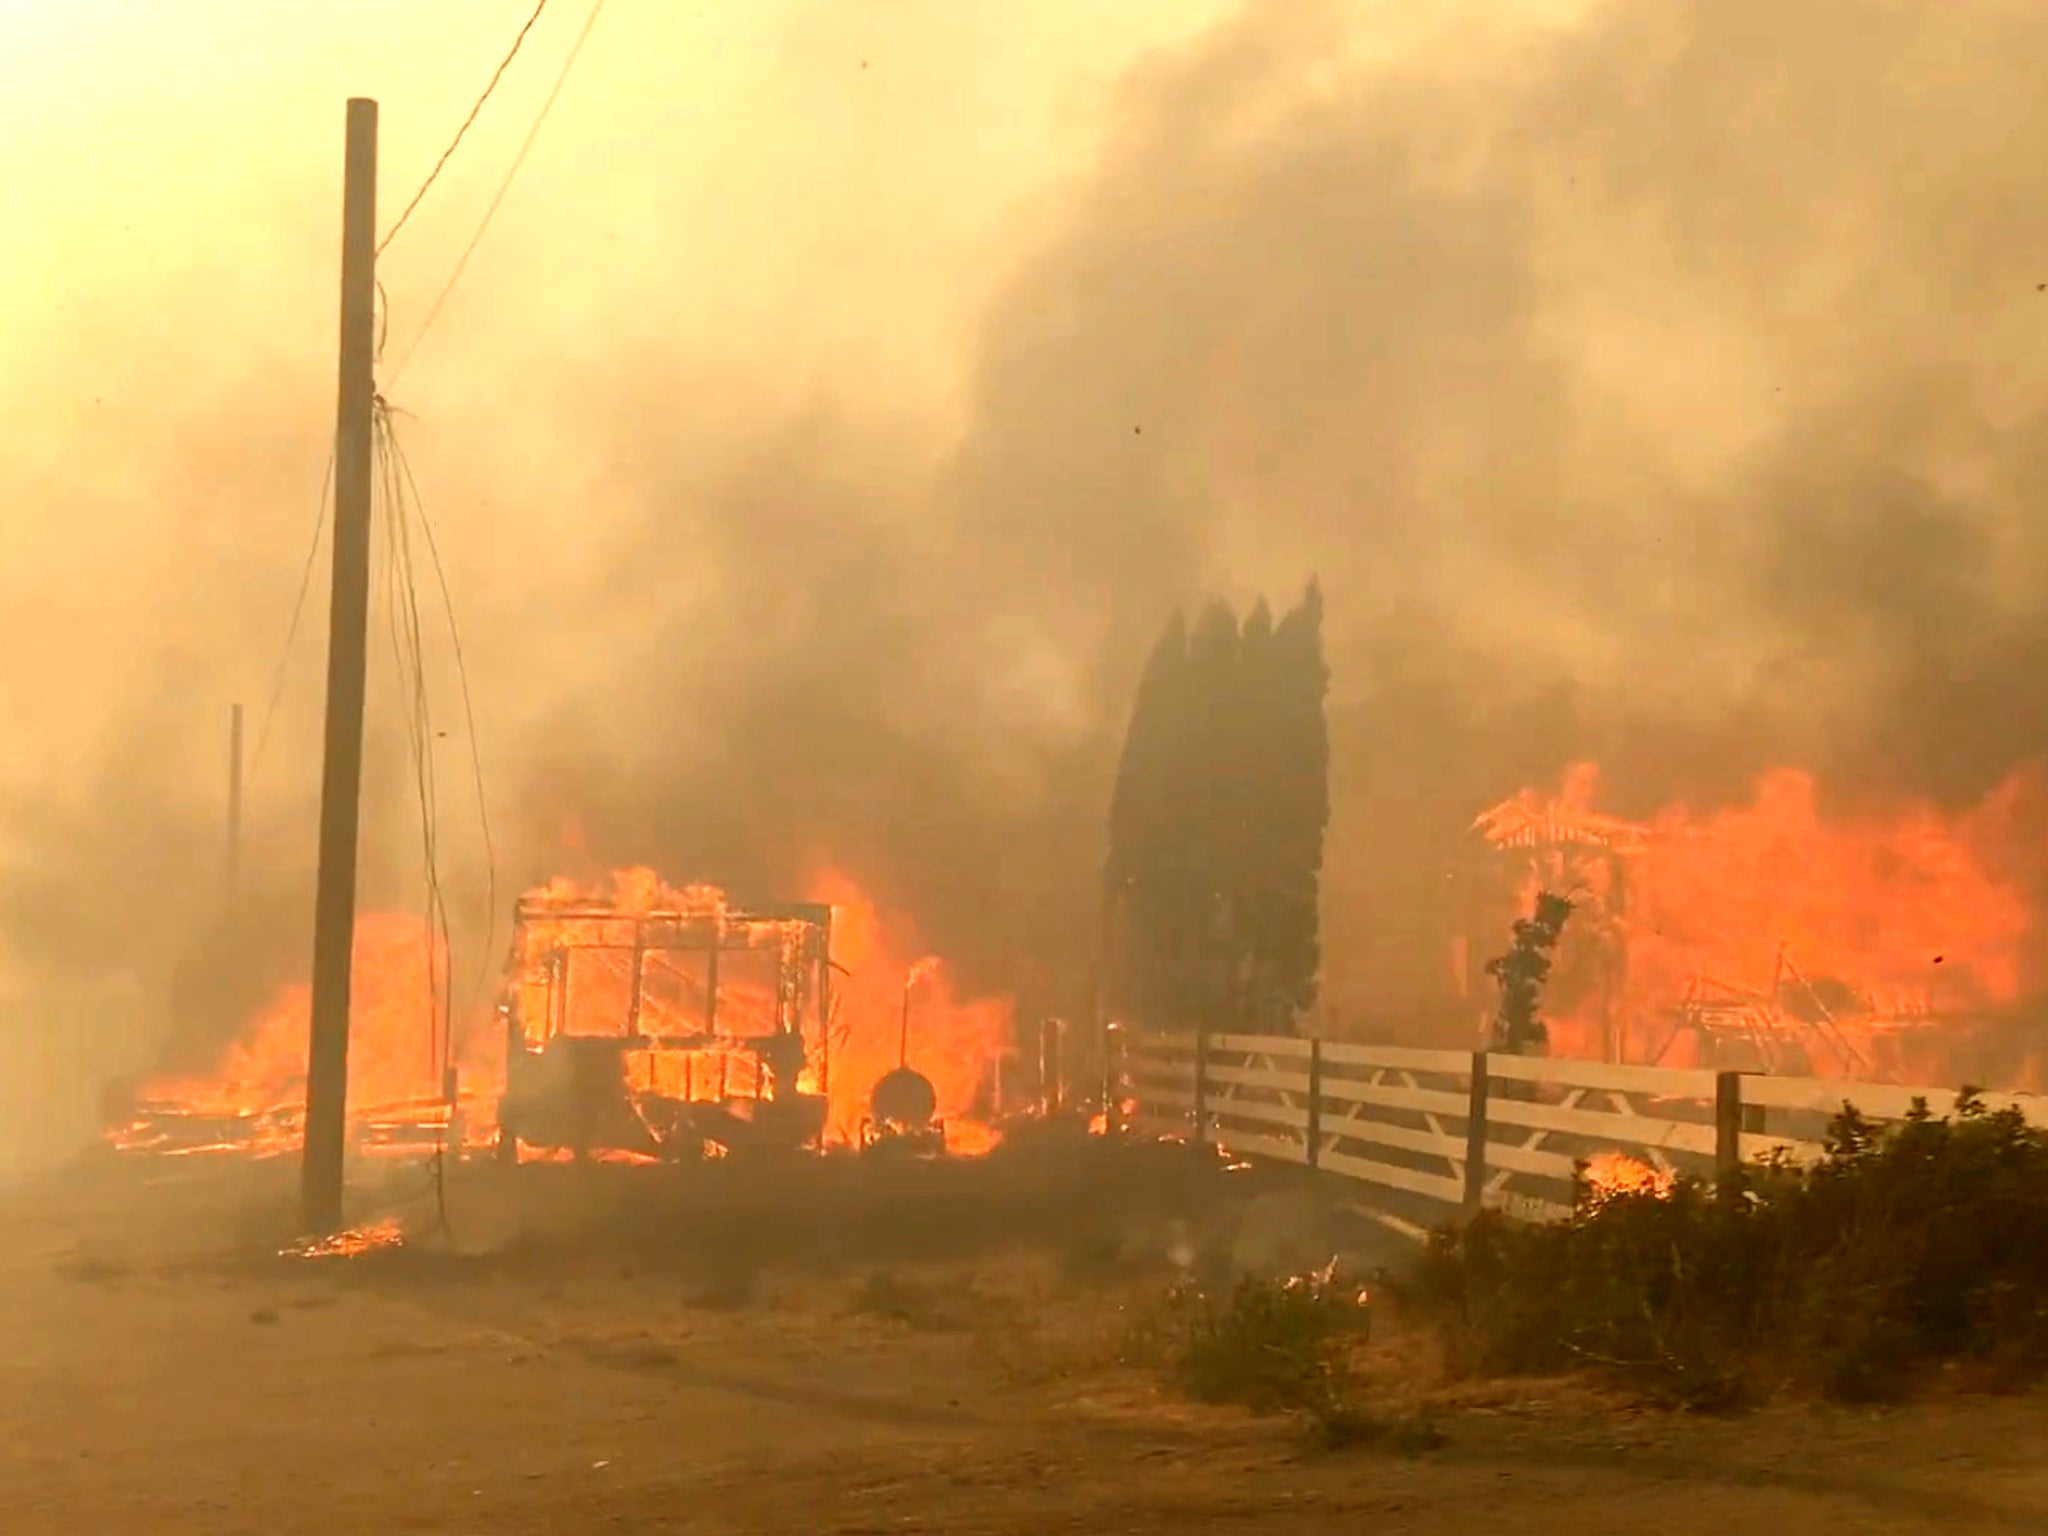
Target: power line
(418, 504)
(496, 75)
(462, 262)
(298, 611)
(409, 653)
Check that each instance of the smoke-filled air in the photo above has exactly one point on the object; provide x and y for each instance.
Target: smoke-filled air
(846, 396)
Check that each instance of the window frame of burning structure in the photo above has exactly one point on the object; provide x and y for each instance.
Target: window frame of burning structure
(799, 935)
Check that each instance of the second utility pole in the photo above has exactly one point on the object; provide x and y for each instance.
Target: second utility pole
(234, 864)
(341, 769)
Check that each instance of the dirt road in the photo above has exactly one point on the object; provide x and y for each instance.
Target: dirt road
(159, 1372)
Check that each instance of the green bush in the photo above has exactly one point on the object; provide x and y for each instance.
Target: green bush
(1904, 1248)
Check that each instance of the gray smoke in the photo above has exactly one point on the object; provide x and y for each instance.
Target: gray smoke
(1658, 391)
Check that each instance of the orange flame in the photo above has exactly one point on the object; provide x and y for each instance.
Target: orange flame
(1854, 931)
(954, 1041)
(1608, 1174)
(253, 1102)
(256, 1096)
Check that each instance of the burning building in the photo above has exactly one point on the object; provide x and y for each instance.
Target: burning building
(1534, 843)
(1768, 936)
(635, 1019)
(655, 1021)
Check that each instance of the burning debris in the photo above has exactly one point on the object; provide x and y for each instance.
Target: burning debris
(253, 1103)
(350, 1244)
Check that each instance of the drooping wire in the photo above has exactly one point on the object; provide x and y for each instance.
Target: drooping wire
(504, 186)
(291, 633)
(467, 123)
(406, 511)
(409, 654)
(476, 764)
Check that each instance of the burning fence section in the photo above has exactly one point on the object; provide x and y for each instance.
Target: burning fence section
(1771, 936)
(712, 1015)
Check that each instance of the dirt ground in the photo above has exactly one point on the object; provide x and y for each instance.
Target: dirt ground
(575, 1363)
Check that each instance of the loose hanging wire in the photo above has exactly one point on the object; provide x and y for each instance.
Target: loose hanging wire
(405, 515)
(402, 612)
(467, 123)
(403, 507)
(504, 186)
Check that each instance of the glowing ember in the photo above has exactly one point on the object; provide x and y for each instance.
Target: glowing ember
(349, 1244)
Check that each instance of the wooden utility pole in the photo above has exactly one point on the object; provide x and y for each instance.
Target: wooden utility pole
(341, 772)
(234, 870)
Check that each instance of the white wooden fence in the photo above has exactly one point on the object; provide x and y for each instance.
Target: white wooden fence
(1438, 1131)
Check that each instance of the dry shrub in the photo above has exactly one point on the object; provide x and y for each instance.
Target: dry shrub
(1273, 1346)
(1905, 1248)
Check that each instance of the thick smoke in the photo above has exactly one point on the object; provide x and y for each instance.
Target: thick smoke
(1659, 386)
(1656, 388)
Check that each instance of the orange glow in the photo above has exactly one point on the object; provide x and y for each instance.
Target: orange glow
(1608, 1174)
(578, 973)
(1868, 939)
(953, 1040)
(253, 1103)
(255, 1099)
(349, 1244)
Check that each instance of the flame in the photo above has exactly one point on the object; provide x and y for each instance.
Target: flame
(670, 997)
(254, 1100)
(1608, 1174)
(347, 1245)
(252, 1103)
(1853, 934)
(955, 1041)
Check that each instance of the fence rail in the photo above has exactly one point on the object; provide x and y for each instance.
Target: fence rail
(1446, 1130)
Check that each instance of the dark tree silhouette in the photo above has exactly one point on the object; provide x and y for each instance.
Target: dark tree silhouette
(1299, 794)
(1521, 973)
(1146, 871)
(1217, 823)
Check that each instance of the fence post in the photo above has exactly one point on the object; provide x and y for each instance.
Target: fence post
(1315, 1101)
(1201, 1087)
(1050, 1075)
(1112, 1078)
(1728, 1132)
(1475, 1138)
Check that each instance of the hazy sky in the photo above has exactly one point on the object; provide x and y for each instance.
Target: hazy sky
(848, 389)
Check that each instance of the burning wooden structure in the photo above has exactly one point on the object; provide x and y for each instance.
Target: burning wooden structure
(664, 1023)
